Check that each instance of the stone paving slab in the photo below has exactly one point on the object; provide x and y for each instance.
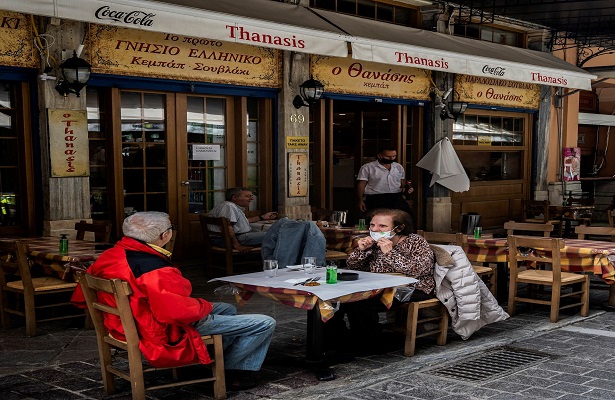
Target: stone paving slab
(62, 363)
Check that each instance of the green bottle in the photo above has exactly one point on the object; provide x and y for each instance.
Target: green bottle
(63, 244)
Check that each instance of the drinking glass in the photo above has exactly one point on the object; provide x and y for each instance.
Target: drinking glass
(309, 265)
(270, 267)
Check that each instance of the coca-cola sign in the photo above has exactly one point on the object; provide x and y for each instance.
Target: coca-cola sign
(135, 17)
(496, 71)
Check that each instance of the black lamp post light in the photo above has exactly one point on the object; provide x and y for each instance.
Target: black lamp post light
(75, 75)
(311, 91)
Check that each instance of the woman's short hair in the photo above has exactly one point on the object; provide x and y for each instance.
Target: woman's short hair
(146, 226)
(401, 219)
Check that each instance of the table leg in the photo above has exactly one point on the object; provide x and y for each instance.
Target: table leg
(502, 282)
(314, 353)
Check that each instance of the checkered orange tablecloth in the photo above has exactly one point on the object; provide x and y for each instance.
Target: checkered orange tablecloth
(341, 239)
(306, 300)
(80, 254)
(577, 256)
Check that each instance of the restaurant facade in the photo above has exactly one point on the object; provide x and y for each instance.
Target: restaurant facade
(176, 112)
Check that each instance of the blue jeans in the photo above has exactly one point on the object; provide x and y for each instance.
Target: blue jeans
(245, 338)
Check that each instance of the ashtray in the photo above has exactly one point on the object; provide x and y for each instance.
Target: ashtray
(347, 276)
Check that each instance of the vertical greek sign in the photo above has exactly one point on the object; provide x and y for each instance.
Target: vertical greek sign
(298, 174)
(68, 143)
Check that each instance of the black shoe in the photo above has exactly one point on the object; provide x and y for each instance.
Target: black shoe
(240, 380)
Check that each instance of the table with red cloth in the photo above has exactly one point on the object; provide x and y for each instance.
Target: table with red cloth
(341, 239)
(317, 300)
(590, 256)
(81, 253)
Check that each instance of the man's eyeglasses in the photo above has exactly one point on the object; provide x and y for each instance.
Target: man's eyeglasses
(173, 227)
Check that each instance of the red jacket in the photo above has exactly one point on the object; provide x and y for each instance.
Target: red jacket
(161, 303)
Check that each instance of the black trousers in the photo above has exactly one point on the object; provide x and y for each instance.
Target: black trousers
(387, 200)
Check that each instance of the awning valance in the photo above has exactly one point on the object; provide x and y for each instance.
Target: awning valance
(286, 26)
(399, 45)
(262, 23)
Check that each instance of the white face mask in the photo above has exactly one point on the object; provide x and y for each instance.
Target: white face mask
(380, 235)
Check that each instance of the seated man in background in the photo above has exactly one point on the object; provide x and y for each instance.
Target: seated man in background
(169, 321)
(237, 200)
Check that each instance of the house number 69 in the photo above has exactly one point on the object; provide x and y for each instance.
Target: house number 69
(297, 118)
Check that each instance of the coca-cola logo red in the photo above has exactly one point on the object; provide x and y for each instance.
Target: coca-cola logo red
(135, 17)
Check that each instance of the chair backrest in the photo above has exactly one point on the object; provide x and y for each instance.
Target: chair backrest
(101, 230)
(512, 227)
(442, 238)
(14, 263)
(579, 201)
(611, 217)
(583, 230)
(222, 224)
(528, 253)
(535, 209)
(119, 291)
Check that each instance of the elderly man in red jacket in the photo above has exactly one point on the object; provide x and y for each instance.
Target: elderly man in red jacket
(169, 321)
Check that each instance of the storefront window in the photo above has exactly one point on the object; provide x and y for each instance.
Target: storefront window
(144, 152)
(10, 207)
(207, 177)
(99, 204)
(491, 147)
(254, 145)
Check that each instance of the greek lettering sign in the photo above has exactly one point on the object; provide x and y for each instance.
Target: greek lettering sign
(16, 45)
(206, 152)
(349, 76)
(68, 143)
(499, 92)
(124, 51)
(297, 142)
(298, 167)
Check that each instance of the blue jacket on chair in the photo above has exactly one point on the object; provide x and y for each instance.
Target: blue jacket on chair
(288, 241)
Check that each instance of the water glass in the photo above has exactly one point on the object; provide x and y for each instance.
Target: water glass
(309, 265)
(362, 224)
(270, 267)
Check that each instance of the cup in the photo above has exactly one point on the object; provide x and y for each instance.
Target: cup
(309, 265)
(362, 224)
(332, 273)
(478, 231)
(270, 267)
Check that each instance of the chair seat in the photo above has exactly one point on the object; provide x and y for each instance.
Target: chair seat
(44, 283)
(480, 270)
(542, 221)
(223, 250)
(546, 277)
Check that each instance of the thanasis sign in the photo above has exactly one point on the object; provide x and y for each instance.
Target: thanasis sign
(135, 52)
(346, 75)
(68, 143)
(498, 92)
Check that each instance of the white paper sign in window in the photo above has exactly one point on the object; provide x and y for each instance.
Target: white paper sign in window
(206, 152)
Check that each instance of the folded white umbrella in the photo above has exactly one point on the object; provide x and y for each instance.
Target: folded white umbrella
(446, 169)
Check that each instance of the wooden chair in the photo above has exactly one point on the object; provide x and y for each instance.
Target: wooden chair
(226, 250)
(414, 320)
(121, 291)
(583, 217)
(526, 227)
(334, 255)
(537, 212)
(21, 293)
(611, 216)
(101, 230)
(553, 277)
(487, 273)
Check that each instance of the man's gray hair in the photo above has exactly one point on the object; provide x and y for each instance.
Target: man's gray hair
(146, 226)
(231, 192)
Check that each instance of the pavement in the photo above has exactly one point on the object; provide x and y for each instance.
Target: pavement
(571, 359)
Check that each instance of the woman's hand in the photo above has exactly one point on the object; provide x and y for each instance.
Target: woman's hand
(385, 245)
(270, 215)
(365, 243)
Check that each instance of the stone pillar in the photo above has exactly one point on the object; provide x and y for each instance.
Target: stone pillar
(292, 122)
(65, 200)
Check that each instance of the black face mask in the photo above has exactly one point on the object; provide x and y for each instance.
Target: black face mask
(386, 161)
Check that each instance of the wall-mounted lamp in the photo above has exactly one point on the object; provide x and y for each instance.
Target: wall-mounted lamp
(311, 91)
(453, 109)
(75, 75)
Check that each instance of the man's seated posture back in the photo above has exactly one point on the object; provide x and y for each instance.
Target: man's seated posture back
(169, 321)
